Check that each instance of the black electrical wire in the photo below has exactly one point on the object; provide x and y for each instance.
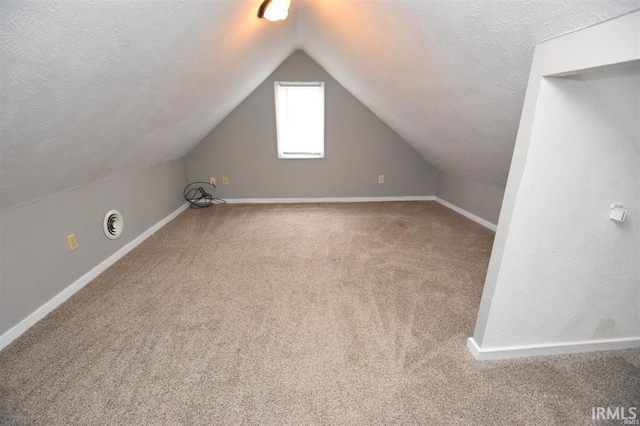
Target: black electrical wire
(198, 198)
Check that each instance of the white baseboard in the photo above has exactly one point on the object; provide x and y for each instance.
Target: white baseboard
(327, 200)
(550, 349)
(57, 300)
(453, 207)
(467, 214)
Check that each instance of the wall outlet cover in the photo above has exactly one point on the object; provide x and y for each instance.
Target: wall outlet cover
(73, 243)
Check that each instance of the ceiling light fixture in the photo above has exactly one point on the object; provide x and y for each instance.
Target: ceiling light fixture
(274, 10)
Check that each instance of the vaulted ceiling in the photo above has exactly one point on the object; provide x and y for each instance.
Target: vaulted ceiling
(448, 76)
(94, 89)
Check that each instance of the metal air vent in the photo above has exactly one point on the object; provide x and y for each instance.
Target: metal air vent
(112, 224)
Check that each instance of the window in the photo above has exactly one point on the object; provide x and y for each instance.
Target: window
(300, 119)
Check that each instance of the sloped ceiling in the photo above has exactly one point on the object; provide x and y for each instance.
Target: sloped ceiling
(448, 76)
(95, 89)
(90, 90)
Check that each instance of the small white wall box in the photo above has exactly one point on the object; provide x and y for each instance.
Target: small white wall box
(618, 213)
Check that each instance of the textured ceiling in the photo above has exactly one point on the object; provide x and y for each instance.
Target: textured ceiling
(448, 76)
(94, 89)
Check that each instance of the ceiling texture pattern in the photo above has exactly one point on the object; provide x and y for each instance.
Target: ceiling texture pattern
(448, 76)
(95, 89)
(90, 90)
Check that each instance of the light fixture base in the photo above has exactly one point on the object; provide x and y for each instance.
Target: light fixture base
(274, 10)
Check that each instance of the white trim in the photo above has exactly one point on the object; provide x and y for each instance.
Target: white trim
(326, 200)
(467, 214)
(550, 349)
(57, 300)
(453, 207)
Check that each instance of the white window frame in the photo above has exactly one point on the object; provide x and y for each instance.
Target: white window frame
(294, 156)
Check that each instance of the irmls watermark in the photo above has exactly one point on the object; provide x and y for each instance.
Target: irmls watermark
(627, 415)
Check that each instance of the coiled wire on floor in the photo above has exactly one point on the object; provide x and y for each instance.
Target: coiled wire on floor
(198, 198)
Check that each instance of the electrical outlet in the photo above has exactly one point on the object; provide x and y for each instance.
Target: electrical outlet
(381, 179)
(225, 181)
(73, 243)
(212, 180)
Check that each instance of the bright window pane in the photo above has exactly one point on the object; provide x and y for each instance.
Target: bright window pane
(300, 119)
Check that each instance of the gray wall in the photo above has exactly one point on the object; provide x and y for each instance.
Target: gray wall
(482, 200)
(36, 263)
(358, 148)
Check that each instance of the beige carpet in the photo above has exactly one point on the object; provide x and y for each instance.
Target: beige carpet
(296, 314)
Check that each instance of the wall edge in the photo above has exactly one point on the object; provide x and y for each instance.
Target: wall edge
(24, 325)
(509, 352)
